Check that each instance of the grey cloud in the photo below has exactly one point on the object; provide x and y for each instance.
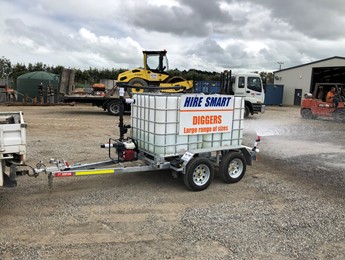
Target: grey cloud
(174, 20)
(315, 18)
(207, 11)
(107, 51)
(41, 36)
(193, 18)
(209, 35)
(208, 48)
(212, 53)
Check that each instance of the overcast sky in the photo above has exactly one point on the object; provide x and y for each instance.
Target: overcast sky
(200, 34)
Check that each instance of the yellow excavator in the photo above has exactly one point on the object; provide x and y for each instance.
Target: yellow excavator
(154, 73)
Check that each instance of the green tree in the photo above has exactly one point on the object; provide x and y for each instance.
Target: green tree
(267, 77)
(5, 67)
(17, 70)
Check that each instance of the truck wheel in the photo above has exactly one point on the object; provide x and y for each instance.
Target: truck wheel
(113, 107)
(136, 82)
(246, 111)
(306, 113)
(232, 167)
(199, 174)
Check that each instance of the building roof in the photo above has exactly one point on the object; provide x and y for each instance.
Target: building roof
(314, 62)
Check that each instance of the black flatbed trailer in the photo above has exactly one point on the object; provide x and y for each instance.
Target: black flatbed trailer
(108, 103)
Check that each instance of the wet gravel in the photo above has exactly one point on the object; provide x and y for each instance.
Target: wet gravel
(289, 205)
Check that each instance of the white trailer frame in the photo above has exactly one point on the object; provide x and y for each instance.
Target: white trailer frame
(243, 156)
(196, 165)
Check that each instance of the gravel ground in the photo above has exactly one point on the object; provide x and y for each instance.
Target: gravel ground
(289, 205)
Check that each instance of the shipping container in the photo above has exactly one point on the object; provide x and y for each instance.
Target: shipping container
(207, 87)
(274, 95)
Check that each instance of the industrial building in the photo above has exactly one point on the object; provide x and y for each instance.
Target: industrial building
(301, 79)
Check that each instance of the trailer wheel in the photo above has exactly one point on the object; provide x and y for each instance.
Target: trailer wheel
(199, 174)
(306, 113)
(113, 107)
(232, 167)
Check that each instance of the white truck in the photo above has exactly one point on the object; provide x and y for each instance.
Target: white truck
(12, 146)
(250, 86)
(247, 85)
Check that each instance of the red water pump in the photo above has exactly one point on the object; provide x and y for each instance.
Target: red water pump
(125, 149)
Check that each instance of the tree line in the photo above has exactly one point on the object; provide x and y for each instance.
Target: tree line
(11, 72)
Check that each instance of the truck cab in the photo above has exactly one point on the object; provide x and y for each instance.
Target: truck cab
(248, 85)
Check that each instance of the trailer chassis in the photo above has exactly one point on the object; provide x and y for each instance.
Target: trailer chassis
(196, 166)
(61, 168)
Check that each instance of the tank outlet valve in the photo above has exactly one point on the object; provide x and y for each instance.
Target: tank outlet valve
(108, 145)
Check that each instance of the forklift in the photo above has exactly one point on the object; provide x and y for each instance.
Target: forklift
(315, 106)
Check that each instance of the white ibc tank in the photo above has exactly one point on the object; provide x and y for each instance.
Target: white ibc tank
(155, 125)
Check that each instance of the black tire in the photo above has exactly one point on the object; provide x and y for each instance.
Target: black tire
(199, 174)
(246, 111)
(339, 115)
(113, 107)
(232, 167)
(136, 82)
(306, 113)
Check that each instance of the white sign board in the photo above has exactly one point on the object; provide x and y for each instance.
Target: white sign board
(203, 114)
